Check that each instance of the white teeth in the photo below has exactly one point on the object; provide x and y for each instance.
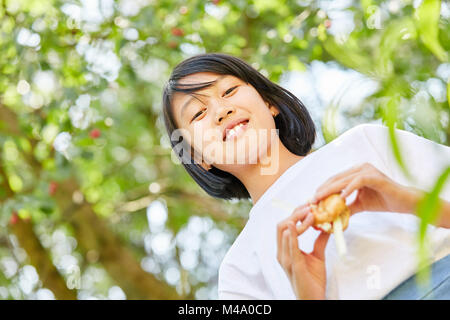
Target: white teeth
(232, 132)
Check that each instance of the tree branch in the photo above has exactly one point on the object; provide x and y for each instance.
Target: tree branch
(92, 233)
(39, 258)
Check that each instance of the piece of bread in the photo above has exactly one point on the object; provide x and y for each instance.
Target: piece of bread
(327, 210)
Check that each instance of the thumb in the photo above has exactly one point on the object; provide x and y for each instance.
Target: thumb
(320, 245)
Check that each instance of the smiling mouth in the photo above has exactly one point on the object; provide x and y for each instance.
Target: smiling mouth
(236, 130)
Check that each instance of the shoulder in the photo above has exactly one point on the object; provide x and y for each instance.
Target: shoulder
(366, 130)
(378, 136)
(364, 137)
(375, 131)
(357, 138)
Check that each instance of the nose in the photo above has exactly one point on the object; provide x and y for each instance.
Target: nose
(223, 112)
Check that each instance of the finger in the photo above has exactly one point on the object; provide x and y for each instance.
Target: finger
(280, 231)
(306, 223)
(300, 218)
(320, 245)
(336, 187)
(299, 214)
(297, 258)
(344, 174)
(281, 228)
(301, 207)
(285, 255)
(357, 183)
(282, 249)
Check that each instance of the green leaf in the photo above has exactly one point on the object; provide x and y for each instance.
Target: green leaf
(329, 129)
(428, 210)
(427, 18)
(391, 117)
(394, 35)
(349, 55)
(296, 64)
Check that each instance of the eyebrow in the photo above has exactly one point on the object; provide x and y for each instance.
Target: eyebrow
(184, 107)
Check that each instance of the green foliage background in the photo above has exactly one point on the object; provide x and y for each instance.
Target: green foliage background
(74, 221)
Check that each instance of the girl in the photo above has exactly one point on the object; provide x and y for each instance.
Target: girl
(240, 136)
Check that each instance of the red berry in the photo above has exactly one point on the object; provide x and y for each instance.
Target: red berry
(52, 188)
(327, 23)
(95, 133)
(215, 1)
(177, 32)
(14, 218)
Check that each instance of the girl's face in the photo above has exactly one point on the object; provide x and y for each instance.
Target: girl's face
(228, 123)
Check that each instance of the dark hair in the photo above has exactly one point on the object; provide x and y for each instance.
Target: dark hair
(296, 128)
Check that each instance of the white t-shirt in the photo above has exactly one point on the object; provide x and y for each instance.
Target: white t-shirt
(381, 246)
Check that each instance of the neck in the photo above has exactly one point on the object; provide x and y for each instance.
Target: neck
(257, 178)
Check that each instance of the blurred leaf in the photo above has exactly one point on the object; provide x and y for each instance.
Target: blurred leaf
(296, 64)
(329, 129)
(427, 17)
(391, 117)
(393, 36)
(428, 210)
(349, 55)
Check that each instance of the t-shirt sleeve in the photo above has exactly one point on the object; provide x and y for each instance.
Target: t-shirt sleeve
(426, 160)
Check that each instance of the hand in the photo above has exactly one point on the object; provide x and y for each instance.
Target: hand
(305, 271)
(376, 192)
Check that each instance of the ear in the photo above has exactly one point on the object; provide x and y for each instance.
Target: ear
(274, 111)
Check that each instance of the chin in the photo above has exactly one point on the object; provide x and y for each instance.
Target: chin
(247, 155)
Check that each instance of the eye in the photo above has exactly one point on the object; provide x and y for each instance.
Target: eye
(197, 114)
(229, 90)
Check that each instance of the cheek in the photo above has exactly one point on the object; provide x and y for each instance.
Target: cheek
(202, 137)
(251, 98)
(247, 99)
(263, 121)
